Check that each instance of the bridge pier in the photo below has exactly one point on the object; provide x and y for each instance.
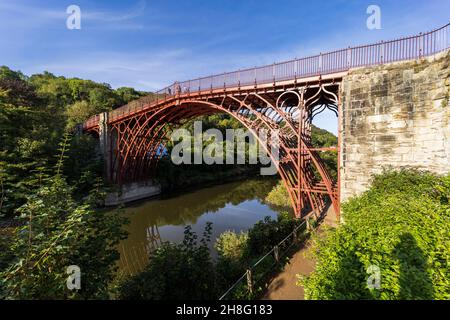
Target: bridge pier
(395, 116)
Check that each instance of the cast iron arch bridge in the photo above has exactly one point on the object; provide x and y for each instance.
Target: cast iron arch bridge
(282, 97)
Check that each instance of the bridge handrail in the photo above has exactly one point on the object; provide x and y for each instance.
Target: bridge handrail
(401, 49)
(291, 239)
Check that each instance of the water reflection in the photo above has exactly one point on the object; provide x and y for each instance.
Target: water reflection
(233, 206)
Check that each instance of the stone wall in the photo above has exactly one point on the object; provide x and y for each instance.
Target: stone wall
(132, 192)
(395, 115)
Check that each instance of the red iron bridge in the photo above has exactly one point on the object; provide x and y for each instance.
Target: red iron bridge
(283, 97)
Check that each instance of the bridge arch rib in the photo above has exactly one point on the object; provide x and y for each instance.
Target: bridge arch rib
(285, 115)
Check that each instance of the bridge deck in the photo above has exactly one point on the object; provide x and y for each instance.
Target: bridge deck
(331, 65)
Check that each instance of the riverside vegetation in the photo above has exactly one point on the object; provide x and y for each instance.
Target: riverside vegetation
(401, 225)
(49, 217)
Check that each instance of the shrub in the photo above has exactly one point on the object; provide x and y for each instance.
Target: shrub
(231, 245)
(58, 232)
(231, 263)
(268, 232)
(279, 196)
(402, 225)
(175, 272)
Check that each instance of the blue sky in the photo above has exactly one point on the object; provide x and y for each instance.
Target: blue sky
(148, 44)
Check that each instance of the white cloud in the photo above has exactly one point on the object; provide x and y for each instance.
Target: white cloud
(26, 15)
(104, 16)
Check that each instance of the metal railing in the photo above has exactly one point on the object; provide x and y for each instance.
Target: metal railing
(407, 48)
(277, 252)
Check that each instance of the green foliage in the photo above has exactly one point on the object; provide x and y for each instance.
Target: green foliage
(231, 245)
(321, 138)
(172, 176)
(83, 166)
(175, 272)
(34, 114)
(129, 94)
(6, 256)
(402, 225)
(268, 232)
(279, 196)
(238, 252)
(54, 232)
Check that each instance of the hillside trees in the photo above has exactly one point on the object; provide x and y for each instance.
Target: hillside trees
(34, 114)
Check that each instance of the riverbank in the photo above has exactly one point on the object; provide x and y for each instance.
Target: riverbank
(284, 285)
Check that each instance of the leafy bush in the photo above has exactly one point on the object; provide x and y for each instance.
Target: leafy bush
(268, 232)
(231, 263)
(175, 272)
(232, 245)
(279, 196)
(402, 225)
(56, 233)
(5, 243)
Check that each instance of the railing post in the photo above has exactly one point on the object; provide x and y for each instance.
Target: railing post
(276, 253)
(349, 57)
(421, 45)
(295, 67)
(273, 72)
(249, 280)
(320, 64)
(308, 225)
(382, 51)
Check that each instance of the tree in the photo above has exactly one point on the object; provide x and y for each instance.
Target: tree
(129, 94)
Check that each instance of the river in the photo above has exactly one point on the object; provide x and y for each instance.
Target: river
(233, 206)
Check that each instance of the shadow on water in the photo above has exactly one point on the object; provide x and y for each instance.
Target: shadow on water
(233, 206)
